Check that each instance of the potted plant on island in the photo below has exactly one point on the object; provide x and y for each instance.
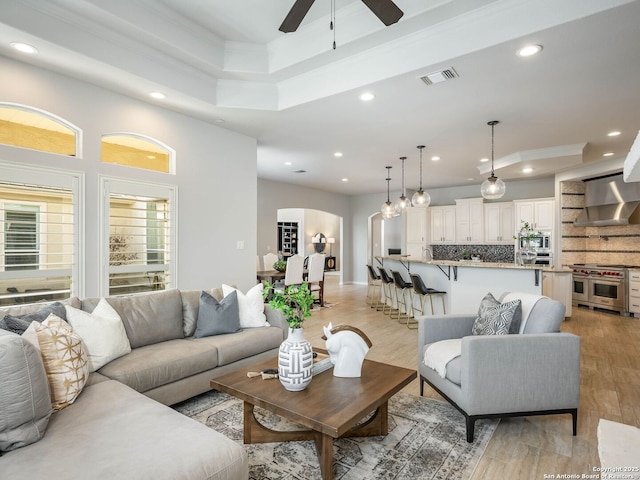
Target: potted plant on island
(295, 356)
(527, 254)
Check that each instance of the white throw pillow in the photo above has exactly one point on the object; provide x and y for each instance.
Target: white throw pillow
(102, 332)
(251, 306)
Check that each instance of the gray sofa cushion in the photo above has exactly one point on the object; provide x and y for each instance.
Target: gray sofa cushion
(112, 432)
(25, 401)
(546, 316)
(246, 343)
(154, 365)
(217, 317)
(149, 318)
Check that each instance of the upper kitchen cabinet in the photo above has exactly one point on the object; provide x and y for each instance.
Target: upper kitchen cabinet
(498, 223)
(416, 231)
(538, 212)
(443, 224)
(469, 220)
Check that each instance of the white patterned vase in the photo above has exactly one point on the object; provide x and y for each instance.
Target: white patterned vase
(295, 361)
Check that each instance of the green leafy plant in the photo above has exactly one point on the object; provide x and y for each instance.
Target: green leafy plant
(527, 231)
(465, 255)
(295, 302)
(280, 265)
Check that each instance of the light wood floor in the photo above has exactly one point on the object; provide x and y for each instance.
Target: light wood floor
(529, 447)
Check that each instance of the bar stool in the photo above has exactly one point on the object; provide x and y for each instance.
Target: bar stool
(419, 288)
(387, 289)
(374, 285)
(402, 286)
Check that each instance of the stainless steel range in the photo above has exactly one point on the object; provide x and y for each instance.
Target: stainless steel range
(600, 286)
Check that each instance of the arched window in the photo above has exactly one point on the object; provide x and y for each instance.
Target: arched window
(29, 127)
(138, 151)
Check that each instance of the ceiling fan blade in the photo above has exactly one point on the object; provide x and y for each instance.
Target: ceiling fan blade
(295, 16)
(387, 11)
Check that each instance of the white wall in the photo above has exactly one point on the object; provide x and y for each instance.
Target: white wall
(216, 172)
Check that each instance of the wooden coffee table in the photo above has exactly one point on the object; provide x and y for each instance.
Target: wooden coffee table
(330, 407)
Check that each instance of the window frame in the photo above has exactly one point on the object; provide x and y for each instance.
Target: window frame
(59, 178)
(51, 116)
(118, 186)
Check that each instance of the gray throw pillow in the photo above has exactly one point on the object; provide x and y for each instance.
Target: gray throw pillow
(494, 318)
(19, 323)
(25, 400)
(216, 318)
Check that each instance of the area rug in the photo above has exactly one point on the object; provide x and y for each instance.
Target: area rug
(426, 440)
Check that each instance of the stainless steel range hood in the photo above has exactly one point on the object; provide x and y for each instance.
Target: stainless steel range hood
(610, 201)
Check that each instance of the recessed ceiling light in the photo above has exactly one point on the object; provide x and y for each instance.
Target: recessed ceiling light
(24, 47)
(470, 179)
(527, 170)
(288, 163)
(529, 50)
(219, 120)
(615, 133)
(608, 154)
(484, 160)
(337, 154)
(158, 95)
(345, 179)
(435, 159)
(367, 96)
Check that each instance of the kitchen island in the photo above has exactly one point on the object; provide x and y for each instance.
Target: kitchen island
(467, 282)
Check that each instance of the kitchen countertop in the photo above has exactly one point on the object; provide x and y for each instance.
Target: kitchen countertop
(471, 263)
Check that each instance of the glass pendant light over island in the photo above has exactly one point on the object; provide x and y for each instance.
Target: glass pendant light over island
(492, 188)
(421, 198)
(402, 202)
(388, 209)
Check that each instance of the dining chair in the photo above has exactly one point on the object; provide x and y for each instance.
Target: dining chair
(315, 277)
(293, 275)
(268, 260)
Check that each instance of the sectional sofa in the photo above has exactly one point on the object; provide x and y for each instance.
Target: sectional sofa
(120, 426)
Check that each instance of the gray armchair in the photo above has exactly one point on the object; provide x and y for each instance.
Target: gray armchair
(536, 372)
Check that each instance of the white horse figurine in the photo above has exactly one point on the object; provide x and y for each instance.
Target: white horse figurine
(347, 347)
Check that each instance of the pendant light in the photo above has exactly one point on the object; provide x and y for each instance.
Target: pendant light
(388, 209)
(492, 188)
(403, 202)
(421, 198)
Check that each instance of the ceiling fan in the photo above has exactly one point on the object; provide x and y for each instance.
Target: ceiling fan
(387, 11)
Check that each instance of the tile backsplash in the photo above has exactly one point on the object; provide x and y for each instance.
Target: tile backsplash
(487, 253)
(614, 245)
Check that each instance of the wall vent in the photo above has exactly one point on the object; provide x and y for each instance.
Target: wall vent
(439, 76)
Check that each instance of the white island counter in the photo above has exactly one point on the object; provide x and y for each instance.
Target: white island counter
(467, 282)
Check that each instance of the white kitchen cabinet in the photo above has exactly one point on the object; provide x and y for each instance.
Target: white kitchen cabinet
(559, 286)
(498, 223)
(415, 231)
(443, 224)
(634, 291)
(538, 212)
(469, 220)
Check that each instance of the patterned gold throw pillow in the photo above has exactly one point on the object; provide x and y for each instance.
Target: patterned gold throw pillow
(64, 356)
